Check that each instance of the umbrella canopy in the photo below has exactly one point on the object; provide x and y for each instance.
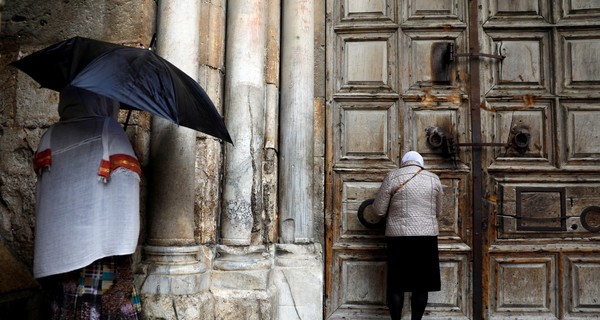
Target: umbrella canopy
(138, 78)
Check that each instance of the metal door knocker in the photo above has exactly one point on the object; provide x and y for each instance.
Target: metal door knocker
(367, 221)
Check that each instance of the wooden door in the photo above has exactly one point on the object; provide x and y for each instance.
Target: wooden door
(388, 81)
(541, 202)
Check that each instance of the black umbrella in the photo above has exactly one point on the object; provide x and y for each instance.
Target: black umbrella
(136, 77)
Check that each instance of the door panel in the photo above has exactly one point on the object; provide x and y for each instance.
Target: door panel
(388, 82)
(541, 254)
(390, 79)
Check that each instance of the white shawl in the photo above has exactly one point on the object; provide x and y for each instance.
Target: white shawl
(82, 216)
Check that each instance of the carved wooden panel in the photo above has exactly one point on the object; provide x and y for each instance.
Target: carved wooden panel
(367, 133)
(356, 188)
(360, 11)
(451, 224)
(354, 193)
(548, 210)
(582, 282)
(505, 12)
(581, 133)
(578, 54)
(367, 62)
(363, 281)
(452, 300)
(436, 110)
(431, 12)
(529, 118)
(421, 65)
(526, 68)
(540, 209)
(523, 286)
(359, 284)
(579, 12)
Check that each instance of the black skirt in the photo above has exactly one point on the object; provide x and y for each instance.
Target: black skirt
(413, 264)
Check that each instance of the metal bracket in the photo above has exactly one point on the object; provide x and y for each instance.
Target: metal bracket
(472, 54)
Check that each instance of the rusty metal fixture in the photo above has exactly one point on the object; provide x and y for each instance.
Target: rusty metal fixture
(364, 220)
(590, 218)
(520, 138)
(473, 54)
(436, 137)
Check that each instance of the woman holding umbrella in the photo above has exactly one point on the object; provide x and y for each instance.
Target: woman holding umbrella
(411, 197)
(87, 211)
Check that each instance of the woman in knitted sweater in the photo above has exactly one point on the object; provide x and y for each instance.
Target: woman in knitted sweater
(411, 198)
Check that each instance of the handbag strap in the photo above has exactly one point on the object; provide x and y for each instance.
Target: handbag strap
(405, 182)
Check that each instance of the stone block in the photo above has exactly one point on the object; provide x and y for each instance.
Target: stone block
(245, 304)
(298, 277)
(198, 306)
(241, 280)
(160, 284)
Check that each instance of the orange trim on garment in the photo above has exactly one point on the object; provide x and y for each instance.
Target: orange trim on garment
(119, 160)
(41, 160)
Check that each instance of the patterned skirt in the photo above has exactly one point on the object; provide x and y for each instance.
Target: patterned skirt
(102, 290)
(413, 264)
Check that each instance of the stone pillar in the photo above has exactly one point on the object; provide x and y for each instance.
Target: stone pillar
(244, 117)
(296, 149)
(172, 257)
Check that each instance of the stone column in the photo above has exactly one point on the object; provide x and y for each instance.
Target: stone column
(296, 143)
(172, 262)
(244, 117)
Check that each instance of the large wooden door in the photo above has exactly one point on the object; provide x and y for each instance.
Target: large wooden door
(541, 209)
(519, 232)
(389, 80)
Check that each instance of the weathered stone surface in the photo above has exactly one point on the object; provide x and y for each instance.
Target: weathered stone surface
(45, 22)
(186, 307)
(244, 304)
(207, 188)
(212, 40)
(298, 277)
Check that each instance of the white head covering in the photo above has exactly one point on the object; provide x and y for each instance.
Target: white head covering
(413, 156)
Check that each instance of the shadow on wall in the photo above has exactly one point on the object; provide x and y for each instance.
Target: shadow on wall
(20, 295)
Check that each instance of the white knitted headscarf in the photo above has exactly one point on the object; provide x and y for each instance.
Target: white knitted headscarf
(413, 156)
